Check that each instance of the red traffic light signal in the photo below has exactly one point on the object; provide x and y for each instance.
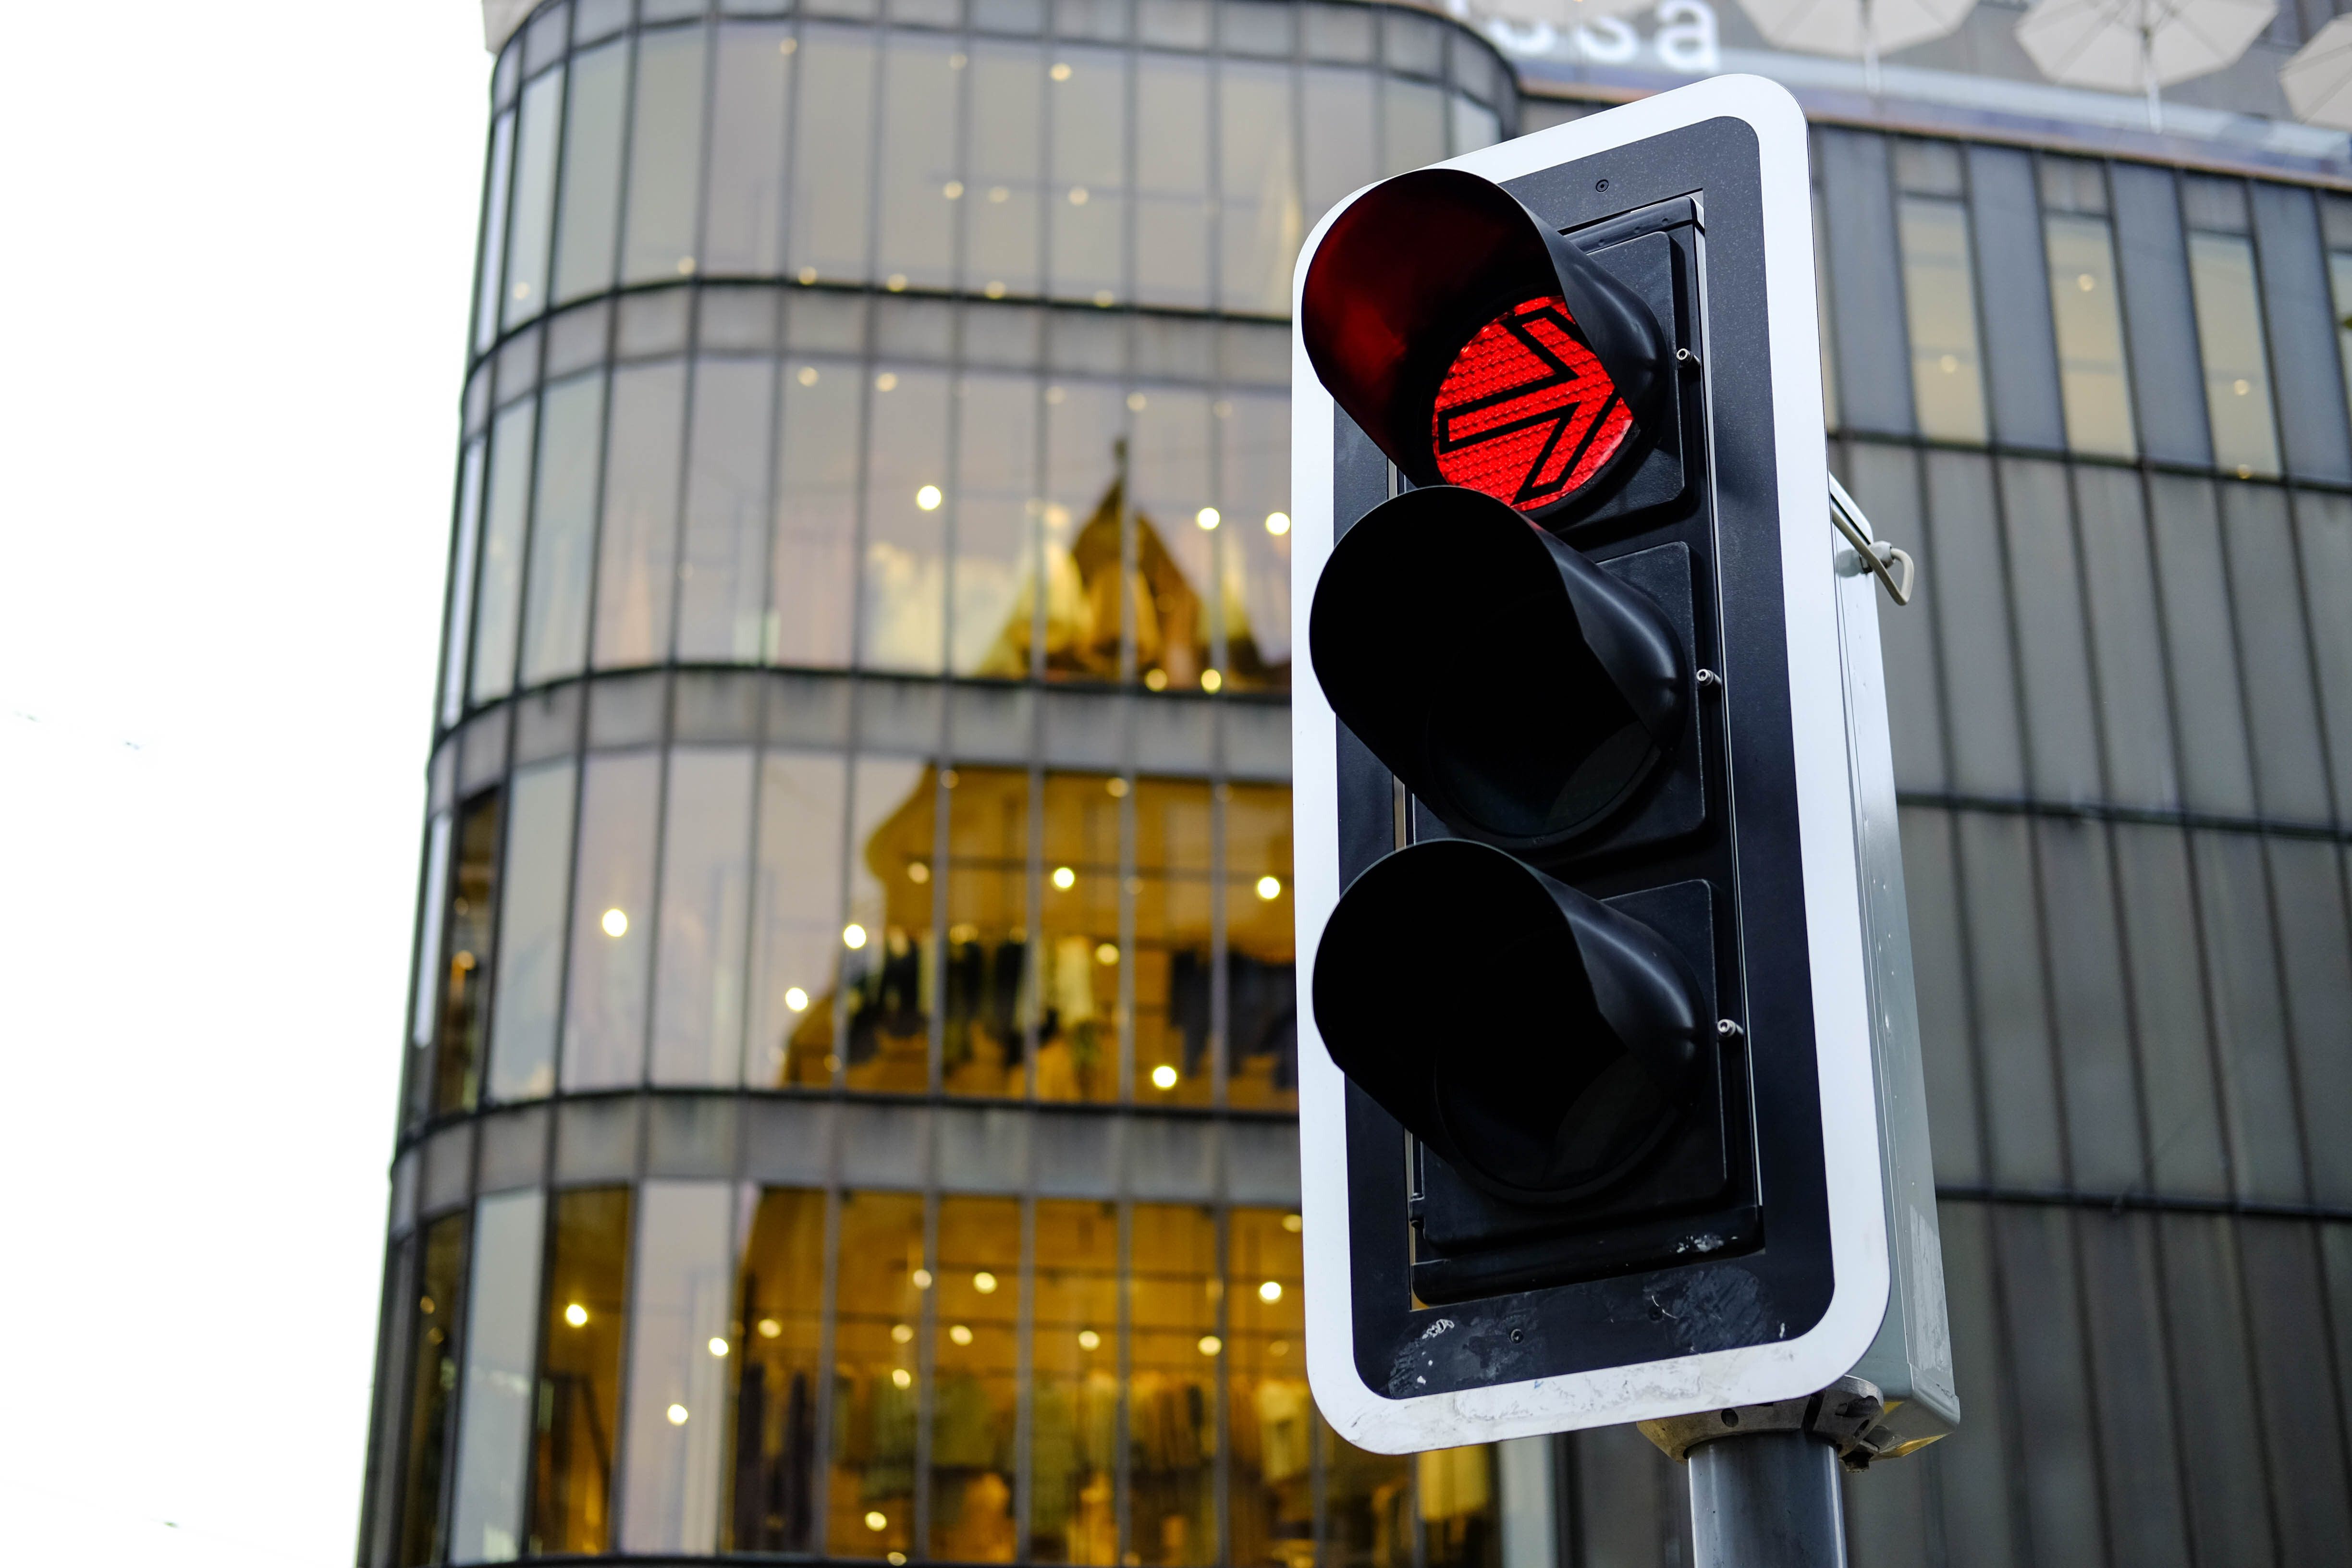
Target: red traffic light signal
(1478, 346)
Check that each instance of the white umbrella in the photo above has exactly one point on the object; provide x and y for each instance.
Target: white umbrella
(2318, 80)
(2139, 46)
(1854, 29)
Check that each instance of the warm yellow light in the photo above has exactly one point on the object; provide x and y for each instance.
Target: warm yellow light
(1210, 680)
(1064, 879)
(896, 282)
(1948, 363)
(576, 1315)
(887, 382)
(1137, 403)
(808, 375)
(1163, 1076)
(1088, 1340)
(425, 1305)
(1270, 1291)
(1277, 523)
(928, 498)
(917, 871)
(686, 267)
(1293, 1223)
(896, 1559)
(984, 1282)
(1210, 1345)
(615, 923)
(1105, 298)
(901, 1332)
(1078, 196)
(853, 935)
(1061, 71)
(719, 1347)
(1157, 679)
(1000, 193)
(922, 1278)
(954, 189)
(877, 1521)
(1107, 954)
(677, 1415)
(796, 999)
(1270, 887)
(1117, 788)
(808, 274)
(2083, 281)
(2241, 387)
(1279, 1347)
(960, 1334)
(901, 1377)
(770, 1328)
(1208, 517)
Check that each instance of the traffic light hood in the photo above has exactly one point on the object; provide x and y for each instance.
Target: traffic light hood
(1422, 265)
(1521, 693)
(1537, 1039)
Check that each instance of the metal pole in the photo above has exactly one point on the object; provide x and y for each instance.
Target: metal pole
(1770, 1500)
(1764, 1478)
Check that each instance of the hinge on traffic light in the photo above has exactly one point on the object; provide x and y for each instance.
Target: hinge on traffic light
(1878, 557)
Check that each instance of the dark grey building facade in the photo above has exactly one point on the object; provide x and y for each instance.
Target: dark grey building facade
(849, 1104)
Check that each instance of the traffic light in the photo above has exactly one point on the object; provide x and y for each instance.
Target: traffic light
(1594, 811)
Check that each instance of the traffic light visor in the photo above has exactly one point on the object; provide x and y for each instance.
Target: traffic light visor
(1523, 693)
(1536, 1039)
(1478, 346)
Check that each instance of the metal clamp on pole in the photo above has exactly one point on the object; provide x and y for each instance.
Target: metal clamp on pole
(1764, 1478)
(1877, 556)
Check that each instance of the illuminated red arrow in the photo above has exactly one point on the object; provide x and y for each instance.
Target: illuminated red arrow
(1525, 413)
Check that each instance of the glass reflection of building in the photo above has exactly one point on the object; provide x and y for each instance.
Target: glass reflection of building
(852, 1067)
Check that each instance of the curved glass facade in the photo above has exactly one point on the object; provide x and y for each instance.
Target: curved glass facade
(851, 1059)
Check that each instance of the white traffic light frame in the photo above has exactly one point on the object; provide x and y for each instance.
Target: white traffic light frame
(1833, 715)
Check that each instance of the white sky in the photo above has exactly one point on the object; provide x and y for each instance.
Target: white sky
(233, 277)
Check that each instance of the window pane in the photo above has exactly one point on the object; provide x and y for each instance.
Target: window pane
(1273, 1414)
(816, 516)
(665, 157)
(1454, 1490)
(884, 944)
(975, 1366)
(1475, 126)
(431, 910)
(1412, 125)
(870, 1503)
(498, 611)
(640, 532)
(530, 932)
(1947, 379)
(563, 531)
(2084, 302)
(1821, 310)
(1367, 1503)
(1003, 155)
(611, 923)
(2046, 596)
(2229, 336)
(592, 171)
(2339, 283)
(2021, 1120)
(456, 1065)
(919, 186)
(1171, 940)
(2216, 775)
(2135, 708)
(799, 937)
(432, 1327)
(461, 585)
(495, 1427)
(1261, 953)
(1172, 1387)
(2184, 1132)
(829, 193)
(1169, 446)
(993, 501)
(1342, 147)
(580, 1376)
(751, 95)
(773, 1427)
(905, 566)
(1073, 1386)
(705, 917)
(1086, 191)
(1079, 953)
(723, 574)
(990, 1007)
(1262, 222)
(494, 235)
(1171, 180)
(534, 199)
(1971, 611)
(1086, 590)
(680, 1336)
(1256, 540)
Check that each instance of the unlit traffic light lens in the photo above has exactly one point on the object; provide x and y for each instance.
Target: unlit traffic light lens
(1525, 412)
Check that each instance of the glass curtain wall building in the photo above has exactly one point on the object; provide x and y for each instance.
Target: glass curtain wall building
(851, 1070)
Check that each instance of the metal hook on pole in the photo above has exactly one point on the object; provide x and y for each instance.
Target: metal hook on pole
(1878, 557)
